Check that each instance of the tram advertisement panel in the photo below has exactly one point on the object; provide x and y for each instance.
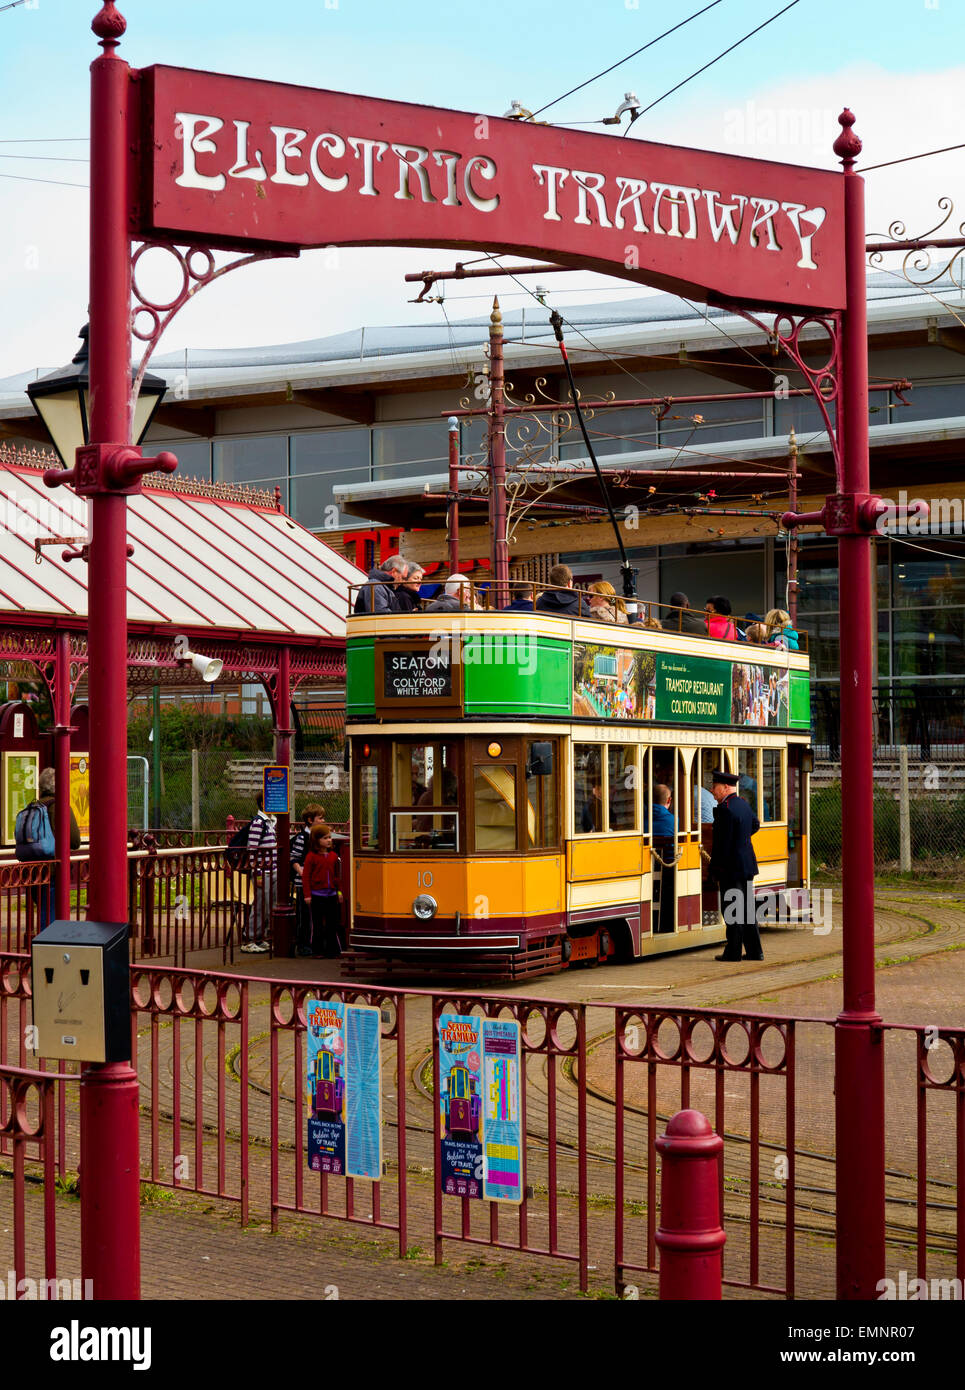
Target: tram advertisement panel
(460, 1105)
(627, 683)
(502, 1120)
(344, 1089)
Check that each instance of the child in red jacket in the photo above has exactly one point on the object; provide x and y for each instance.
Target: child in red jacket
(320, 880)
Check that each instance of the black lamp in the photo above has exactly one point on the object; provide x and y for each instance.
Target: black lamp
(62, 400)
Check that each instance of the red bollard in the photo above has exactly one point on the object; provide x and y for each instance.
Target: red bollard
(690, 1236)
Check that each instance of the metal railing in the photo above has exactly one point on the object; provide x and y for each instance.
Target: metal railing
(222, 1062)
(583, 604)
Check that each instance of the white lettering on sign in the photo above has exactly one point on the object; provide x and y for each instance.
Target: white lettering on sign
(420, 174)
(18, 726)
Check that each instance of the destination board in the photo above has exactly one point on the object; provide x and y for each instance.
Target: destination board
(418, 675)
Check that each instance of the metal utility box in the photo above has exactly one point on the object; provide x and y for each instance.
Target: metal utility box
(81, 991)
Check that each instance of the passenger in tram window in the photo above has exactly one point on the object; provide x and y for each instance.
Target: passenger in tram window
(383, 597)
(591, 816)
(561, 600)
(664, 825)
(689, 619)
(703, 805)
(604, 603)
(720, 624)
(457, 596)
(522, 598)
(407, 594)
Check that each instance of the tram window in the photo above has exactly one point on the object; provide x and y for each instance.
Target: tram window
(542, 811)
(587, 788)
(368, 812)
(772, 760)
(622, 786)
(704, 764)
(425, 774)
(425, 832)
(747, 778)
(494, 806)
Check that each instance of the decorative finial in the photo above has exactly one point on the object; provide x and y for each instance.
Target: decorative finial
(792, 438)
(109, 25)
(847, 146)
(496, 318)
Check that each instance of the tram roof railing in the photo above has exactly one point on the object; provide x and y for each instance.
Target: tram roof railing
(590, 604)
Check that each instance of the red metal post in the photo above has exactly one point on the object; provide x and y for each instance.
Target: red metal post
(690, 1236)
(859, 1048)
(497, 459)
(62, 773)
(283, 913)
(453, 488)
(792, 549)
(110, 1167)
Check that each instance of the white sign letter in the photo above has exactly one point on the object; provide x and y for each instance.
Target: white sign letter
(287, 140)
(487, 170)
(193, 144)
(336, 147)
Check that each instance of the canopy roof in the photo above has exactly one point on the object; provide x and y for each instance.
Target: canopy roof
(217, 559)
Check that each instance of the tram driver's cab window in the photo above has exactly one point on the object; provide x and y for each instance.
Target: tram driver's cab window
(494, 806)
(425, 796)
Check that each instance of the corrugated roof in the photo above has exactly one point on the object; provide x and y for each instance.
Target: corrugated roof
(198, 562)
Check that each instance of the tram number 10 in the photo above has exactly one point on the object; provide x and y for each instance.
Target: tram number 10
(424, 878)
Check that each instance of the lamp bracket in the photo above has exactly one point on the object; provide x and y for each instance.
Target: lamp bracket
(109, 468)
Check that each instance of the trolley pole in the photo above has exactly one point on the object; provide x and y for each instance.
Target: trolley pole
(497, 458)
(453, 519)
(859, 1041)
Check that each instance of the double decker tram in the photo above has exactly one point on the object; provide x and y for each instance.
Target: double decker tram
(531, 792)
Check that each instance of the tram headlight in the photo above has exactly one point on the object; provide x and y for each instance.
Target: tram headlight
(424, 907)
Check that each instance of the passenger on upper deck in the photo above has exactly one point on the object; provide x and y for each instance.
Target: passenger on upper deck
(383, 598)
(457, 597)
(407, 594)
(719, 622)
(522, 599)
(556, 603)
(604, 604)
(780, 633)
(690, 620)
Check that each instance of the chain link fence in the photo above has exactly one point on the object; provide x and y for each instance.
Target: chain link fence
(919, 817)
(200, 790)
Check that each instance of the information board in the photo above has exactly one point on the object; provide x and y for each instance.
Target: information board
(20, 772)
(460, 1105)
(277, 790)
(502, 1118)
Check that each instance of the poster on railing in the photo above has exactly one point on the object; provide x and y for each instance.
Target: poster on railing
(20, 771)
(80, 792)
(460, 1105)
(502, 1117)
(344, 1089)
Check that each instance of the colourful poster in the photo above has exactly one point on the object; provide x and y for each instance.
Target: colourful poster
(80, 792)
(631, 684)
(344, 1089)
(502, 1118)
(460, 1105)
(20, 772)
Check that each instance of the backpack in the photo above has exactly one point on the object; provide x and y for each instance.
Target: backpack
(33, 833)
(235, 856)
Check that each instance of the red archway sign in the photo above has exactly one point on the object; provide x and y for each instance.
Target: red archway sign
(233, 162)
(201, 160)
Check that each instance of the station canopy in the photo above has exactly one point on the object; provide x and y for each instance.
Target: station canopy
(205, 557)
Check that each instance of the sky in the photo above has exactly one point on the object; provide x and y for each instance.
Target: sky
(776, 97)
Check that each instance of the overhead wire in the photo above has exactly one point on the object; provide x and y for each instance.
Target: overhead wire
(636, 116)
(619, 63)
(61, 183)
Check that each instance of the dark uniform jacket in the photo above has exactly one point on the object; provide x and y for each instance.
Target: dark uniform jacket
(381, 599)
(732, 858)
(561, 603)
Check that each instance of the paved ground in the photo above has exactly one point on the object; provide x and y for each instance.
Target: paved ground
(194, 1246)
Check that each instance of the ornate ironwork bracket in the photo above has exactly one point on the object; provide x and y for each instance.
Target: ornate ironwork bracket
(824, 381)
(197, 266)
(917, 262)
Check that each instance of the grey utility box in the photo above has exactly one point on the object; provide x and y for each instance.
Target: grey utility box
(81, 991)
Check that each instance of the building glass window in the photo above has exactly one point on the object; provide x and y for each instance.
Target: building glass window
(409, 451)
(260, 462)
(611, 432)
(710, 422)
(193, 456)
(319, 461)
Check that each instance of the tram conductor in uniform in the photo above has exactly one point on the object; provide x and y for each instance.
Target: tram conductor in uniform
(733, 866)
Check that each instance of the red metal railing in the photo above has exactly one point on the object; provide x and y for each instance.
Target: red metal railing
(222, 1063)
(28, 1134)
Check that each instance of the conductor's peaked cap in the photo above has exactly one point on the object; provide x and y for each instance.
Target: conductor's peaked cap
(727, 779)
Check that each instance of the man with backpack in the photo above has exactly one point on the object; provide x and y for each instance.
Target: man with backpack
(261, 853)
(35, 839)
